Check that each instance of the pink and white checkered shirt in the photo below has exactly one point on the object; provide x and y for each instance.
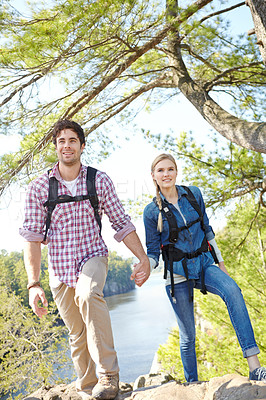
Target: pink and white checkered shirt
(74, 235)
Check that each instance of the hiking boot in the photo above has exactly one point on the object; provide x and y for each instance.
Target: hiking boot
(259, 374)
(106, 388)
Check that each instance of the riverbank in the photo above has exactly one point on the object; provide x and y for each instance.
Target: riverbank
(112, 288)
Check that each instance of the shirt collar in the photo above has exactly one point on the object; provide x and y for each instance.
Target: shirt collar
(180, 190)
(55, 171)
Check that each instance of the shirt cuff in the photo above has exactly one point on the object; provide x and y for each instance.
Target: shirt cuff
(31, 236)
(217, 251)
(120, 235)
(210, 235)
(153, 263)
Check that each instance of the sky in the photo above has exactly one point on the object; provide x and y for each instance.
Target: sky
(128, 166)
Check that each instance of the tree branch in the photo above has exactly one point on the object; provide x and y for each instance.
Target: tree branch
(249, 228)
(222, 11)
(250, 135)
(227, 72)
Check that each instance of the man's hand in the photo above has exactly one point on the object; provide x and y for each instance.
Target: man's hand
(141, 272)
(36, 293)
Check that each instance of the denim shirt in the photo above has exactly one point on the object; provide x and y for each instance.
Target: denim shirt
(189, 240)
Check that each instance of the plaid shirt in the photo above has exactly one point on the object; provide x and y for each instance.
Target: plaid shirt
(74, 235)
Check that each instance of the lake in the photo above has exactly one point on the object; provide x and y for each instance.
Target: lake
(141, 320)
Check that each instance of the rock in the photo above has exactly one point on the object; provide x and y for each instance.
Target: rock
(58, 392)
(156, 366)
(163, 387)
(151, 380)
(228, 387)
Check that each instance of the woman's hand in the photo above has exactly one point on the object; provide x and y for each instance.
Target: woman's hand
(222, 267)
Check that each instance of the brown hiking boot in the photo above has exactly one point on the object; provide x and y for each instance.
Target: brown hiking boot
(106, 388)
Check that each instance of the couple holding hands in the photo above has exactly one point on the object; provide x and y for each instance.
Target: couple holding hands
(176, 226)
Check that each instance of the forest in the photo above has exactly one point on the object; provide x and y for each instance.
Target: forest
(33, 351)
(99, 63)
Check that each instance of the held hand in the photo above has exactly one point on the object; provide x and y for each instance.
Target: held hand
(222, 267)
(36, 293)
(141, 272)
(140, 278)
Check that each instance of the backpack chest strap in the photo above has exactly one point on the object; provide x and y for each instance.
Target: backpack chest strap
(54, 199)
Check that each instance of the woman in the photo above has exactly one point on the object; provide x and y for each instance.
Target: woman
(185, 247)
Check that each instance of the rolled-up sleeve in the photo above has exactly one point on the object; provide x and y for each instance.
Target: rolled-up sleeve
(30, 236)
(120, 235)
(34, 215)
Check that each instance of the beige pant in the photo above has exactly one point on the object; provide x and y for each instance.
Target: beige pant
(86, 315)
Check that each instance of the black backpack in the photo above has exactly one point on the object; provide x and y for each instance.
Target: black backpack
(54, 199)
(171, 254)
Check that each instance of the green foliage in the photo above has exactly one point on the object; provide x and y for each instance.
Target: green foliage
(222, 170)
(91, 60)
(32, 352)
(119, 269)
(14, 275)
(218, 351)
(118, 277)
(225, 173)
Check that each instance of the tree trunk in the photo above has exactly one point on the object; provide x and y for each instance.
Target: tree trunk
(258, 12)
(250, 135)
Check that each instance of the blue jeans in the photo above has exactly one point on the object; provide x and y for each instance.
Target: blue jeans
(217, 282)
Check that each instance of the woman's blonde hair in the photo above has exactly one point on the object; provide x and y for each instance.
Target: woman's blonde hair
(159, 158)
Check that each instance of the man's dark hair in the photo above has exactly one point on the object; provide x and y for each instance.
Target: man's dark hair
(68, 124)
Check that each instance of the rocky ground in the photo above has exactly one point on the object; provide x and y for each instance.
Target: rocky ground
(163, 387)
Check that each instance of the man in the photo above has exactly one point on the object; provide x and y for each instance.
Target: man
(78, 260)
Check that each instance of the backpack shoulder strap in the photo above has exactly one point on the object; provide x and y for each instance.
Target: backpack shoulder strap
(53, 190)
(51, 202)
(192, 199)
(92, 194)
(173, 228)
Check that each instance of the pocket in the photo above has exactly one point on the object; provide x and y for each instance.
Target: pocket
(61, 216)
(56, 291)
(85, 209)
(190, 214)
(96, 269)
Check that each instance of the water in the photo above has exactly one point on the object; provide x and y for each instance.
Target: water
(141, 321)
